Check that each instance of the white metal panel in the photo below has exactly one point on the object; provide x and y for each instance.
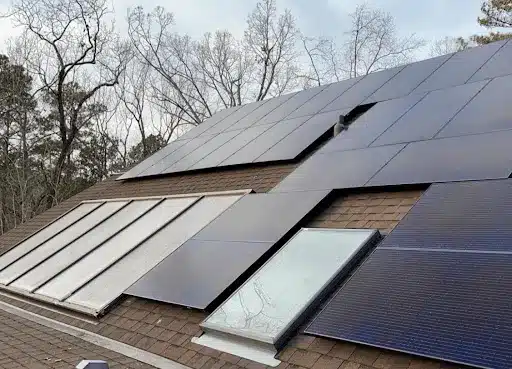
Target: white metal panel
(76, 250)
(53, 245)
(125, 272)
(46, 233)
(87, 268)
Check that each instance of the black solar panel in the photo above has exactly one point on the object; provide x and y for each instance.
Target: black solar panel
(300, 139)
(178, 154)
(343, 169)
(264, 217)
(446, 305)
(283, 111)
(485, 156)
(499, 65)
(372, 124)
(459, 216)
(407, 80)
(202, 151)
(324, 98)
(198, 272)
(430, 115)
(359, 92)
(231, 147)
(208, 123)
(460, 68)
(490, 110)
(265, 141)
(255, 117)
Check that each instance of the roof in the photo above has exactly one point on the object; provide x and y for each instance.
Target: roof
(368, 177)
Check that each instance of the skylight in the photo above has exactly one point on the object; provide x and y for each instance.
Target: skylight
(259, 317)
(87, 258)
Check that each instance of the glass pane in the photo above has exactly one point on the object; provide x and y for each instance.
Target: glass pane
(141, 260)
(73, 252)
(277, 293)
(46, 233)
(66, 282)
(45, 250)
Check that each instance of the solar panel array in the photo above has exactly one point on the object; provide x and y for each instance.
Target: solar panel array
(283, 128)
(458, 132)
(88, 257)
(450, 297)
(209, 264)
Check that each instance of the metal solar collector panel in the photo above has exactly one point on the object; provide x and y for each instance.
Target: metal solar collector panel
(265, 141)
(490, 110)
(255, 117)
(365, 129)
(430, 115)
(452, 306)
(359, 92)
(50, 247)
(45, 234)
(216, 157)
(201, 152)
(324, 98)
(477, 157)
(302, 137)
(498, 65)
(342, 169)
(76, 250)
(142, 259)
(407, 79)
(479, 211)
(460, 67)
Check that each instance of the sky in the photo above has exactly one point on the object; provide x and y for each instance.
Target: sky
(430, 20)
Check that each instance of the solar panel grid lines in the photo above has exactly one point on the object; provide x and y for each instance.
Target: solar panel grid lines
(360, 91)
(499, 65)
(425, 119)
(460, 67)
(405, 81)
(208, 123)
(490, 110)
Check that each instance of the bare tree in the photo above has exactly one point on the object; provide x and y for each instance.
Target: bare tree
(449, 45)
(75, 44)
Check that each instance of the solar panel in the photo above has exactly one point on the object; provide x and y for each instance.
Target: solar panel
(445, 305)
(498, 65)
(230, 147)
(275, 299)
(365, 129)
(358, 93)
(208, 123)
(477, 157)
(459, 69)
(177, 155)
(234, 118)
(202, 151)
(490, 110)
(328, 94)
(303, 137)
(407, 79)
(342, 169)
(479, 212)
(255, 117)
(263, 217)
(176, 279)
(283, 111)
(265, 141)
(141, 260)
(430, 115)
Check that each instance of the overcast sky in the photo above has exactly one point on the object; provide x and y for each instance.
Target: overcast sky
(430, 20)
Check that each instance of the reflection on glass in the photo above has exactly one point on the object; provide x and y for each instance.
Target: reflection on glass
(276, 294)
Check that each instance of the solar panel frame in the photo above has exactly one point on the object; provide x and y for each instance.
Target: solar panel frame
(425, 119)
(499, 65)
